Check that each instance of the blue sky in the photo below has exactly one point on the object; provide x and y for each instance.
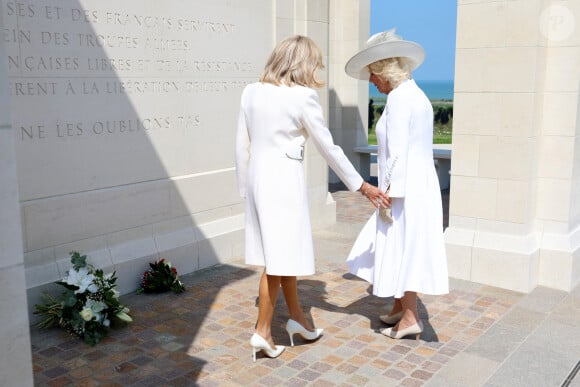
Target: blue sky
(431, 23)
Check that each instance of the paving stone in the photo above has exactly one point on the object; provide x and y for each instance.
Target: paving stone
(321, 367)
(309, 375)
(461, 370)
(391, 356)
(357, 380)
(54, 372)
(60, 382)
(271, 381)
(533, 365)
(346, 368)
(421, 374)
(412, 382)
(542, 299)
(497, 343)
(440, 381)
(568, 310)
(523, 318)
(558, 337)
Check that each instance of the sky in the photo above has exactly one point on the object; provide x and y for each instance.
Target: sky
(431, 23)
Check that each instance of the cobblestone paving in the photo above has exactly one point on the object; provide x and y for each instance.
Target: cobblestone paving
(201, 337)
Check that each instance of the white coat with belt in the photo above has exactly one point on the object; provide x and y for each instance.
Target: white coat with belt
(274, 123)
(408, 254)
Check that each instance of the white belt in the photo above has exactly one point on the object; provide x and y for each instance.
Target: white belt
(295, 153)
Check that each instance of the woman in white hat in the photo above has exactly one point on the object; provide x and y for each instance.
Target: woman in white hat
(277, 116)
(407, 253)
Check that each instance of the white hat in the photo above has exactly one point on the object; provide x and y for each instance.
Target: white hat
(381, 46)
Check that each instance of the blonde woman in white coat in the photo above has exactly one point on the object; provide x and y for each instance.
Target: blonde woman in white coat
(277, 116)
(408, 251)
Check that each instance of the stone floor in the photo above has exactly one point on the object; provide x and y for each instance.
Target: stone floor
(476, 335)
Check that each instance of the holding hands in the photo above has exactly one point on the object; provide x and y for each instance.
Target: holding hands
(378, 198)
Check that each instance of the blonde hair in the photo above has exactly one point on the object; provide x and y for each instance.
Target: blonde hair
(392, 70)
(294, 61)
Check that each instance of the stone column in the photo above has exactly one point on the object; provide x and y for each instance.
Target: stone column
(15, 357)
(338, 27)
(514, 212)
(349, 98)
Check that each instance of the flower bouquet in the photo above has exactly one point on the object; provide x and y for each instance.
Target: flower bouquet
(89, 304)
(161, 278)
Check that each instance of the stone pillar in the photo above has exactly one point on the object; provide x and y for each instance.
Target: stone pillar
(310, 18)
(338, 27)
(15, 357)
(515, 187)
(349, 98)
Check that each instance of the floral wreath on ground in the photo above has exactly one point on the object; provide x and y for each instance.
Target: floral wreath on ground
(161, 277)
(89, 305)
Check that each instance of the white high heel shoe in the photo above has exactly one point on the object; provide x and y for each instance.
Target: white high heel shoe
(293, 327)
(258, 344)
(391, 320)
(415, 329)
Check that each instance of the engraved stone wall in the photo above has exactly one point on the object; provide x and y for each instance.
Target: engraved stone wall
(124, 117)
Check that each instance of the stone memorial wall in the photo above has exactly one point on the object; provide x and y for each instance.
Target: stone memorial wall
(124, 118)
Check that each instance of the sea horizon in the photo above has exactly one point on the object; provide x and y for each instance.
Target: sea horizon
(434, 89)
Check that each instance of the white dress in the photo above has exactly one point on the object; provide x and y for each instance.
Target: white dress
(408, 254)
(275, 121)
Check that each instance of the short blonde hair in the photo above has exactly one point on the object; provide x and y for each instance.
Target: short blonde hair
(294, 61)
(393, 70)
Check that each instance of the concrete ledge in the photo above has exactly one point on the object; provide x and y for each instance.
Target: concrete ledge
(366, 149)
(441, 156)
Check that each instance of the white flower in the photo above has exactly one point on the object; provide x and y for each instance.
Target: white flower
(82, 279)
(86, 314)
(106, 322)
(96, 307)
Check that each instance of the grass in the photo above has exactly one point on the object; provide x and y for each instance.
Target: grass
(441, 132)
(372, 136)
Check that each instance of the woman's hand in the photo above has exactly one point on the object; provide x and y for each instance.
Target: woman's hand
(376, 197)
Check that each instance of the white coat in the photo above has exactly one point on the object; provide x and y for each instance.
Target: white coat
(408, 254)
(275, 121)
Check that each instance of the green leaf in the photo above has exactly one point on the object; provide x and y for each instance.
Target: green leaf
(78, 260)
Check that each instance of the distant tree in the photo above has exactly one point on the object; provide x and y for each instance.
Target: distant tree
(437, 116)
(444, 116)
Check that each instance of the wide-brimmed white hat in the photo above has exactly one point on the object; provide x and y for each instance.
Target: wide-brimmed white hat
(383, 45)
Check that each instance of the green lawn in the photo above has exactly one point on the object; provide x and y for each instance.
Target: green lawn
(441, 131)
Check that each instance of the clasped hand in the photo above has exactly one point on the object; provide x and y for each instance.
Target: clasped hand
(377, 198)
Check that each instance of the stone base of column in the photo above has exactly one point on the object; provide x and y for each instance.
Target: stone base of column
(514, 262)
(559, 265)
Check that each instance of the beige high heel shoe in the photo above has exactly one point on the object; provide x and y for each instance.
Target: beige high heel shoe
(415, 329)
(258, 344)
(391, 320)
(293, 327)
